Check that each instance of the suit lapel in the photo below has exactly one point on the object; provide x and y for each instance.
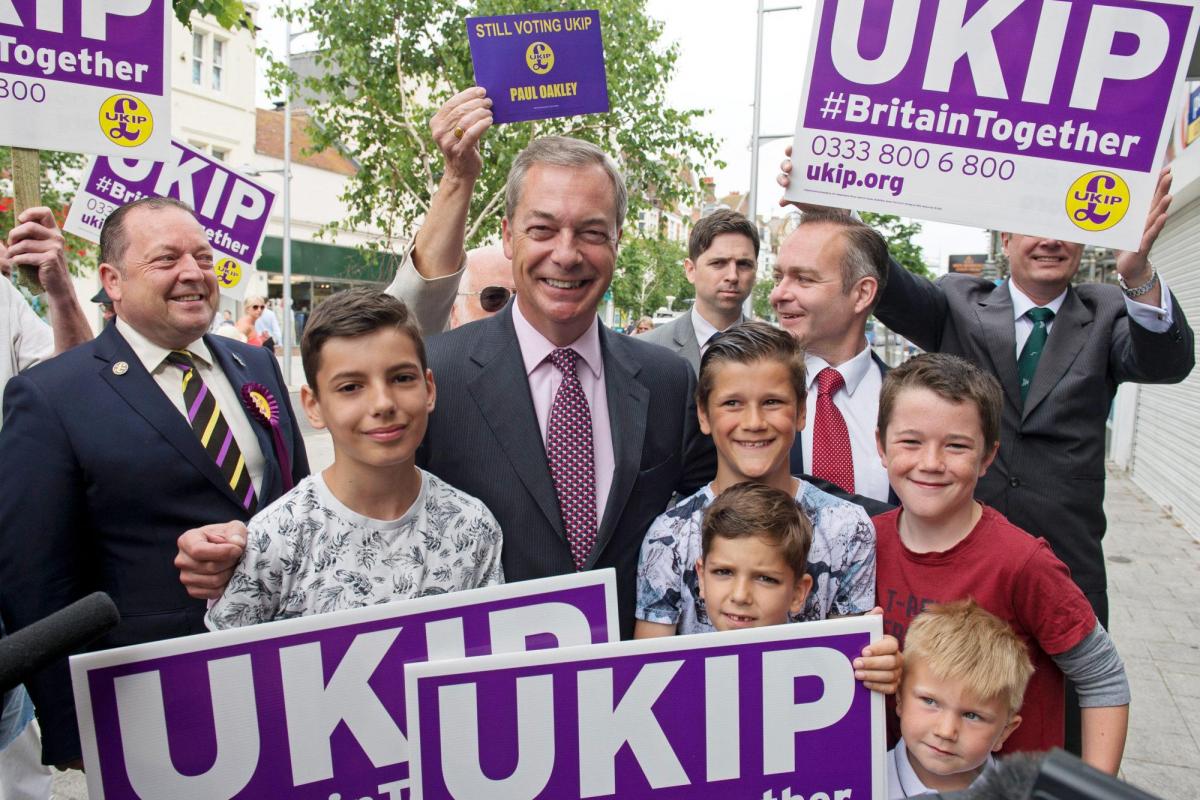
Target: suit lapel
(501, 391)
(628, 405)
(685, 339)
(995, 314)
(1067, 336)
(138, 388)
(237, 372)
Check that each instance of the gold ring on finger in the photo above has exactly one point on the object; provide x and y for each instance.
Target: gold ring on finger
(458, 133)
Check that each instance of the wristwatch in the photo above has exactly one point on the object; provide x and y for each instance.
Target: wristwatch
(1140, 290)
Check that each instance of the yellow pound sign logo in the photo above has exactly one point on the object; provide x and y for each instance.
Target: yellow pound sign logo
(540, 58)
(229, 273)
(1097, 201)
(125, 120)
(262, 404)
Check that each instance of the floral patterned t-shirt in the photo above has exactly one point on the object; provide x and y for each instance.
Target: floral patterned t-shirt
(841, 561)
(307, 553)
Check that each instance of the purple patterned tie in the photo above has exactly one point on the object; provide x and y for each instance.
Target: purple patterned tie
(569, 451)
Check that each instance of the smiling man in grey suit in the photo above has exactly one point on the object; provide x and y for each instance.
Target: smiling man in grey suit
(721, 264)
(575, 437)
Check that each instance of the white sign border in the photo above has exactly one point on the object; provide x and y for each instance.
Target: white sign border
(867, 623)
(84, 663)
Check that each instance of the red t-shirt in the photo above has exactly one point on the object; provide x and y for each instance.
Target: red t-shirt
(1012, 575)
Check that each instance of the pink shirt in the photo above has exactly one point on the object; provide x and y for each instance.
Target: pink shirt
(544, 379)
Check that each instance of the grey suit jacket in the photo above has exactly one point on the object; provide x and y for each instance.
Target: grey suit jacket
(484, 438)
(1049, 475)
(679, 335)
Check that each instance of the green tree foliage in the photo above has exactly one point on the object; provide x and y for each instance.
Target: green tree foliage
(387, 65)
(229, 14)
(760, 299)
(648, 270)
(899, 235)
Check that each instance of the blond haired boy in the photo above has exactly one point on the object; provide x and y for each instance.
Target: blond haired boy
(965, 673)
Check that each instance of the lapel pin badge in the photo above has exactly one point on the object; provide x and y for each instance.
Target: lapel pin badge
(238, 359)
(120, 368)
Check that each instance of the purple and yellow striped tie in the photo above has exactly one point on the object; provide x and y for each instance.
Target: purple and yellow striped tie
(213, 431)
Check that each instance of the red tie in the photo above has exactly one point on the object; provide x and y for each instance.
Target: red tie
(572, 464)
(832, 459)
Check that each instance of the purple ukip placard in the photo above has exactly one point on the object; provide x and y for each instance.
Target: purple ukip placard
(88, 76)
(307, 708)
(537, 66)
(765, 713)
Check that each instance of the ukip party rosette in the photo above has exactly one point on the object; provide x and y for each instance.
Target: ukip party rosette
(263, 408)
(538, 66)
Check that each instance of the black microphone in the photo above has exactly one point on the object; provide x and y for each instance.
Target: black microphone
(33, 648)
(1056, 775)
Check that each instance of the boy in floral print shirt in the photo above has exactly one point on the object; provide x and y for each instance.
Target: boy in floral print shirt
(373, 527)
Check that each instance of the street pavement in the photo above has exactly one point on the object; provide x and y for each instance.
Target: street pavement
(1154, 594)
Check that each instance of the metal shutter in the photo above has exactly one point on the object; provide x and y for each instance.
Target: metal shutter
(1166, 444)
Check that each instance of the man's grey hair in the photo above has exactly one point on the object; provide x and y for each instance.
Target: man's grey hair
(864, 254)
(563, 151)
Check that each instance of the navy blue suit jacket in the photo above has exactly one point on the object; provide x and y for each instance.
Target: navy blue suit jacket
(99, 475)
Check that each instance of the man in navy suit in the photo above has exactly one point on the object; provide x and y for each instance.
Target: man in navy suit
(110, 450)
(830, 273)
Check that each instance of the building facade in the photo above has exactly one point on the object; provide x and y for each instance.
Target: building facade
(1155, 430)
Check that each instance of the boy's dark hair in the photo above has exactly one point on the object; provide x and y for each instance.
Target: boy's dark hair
(755, 509)
(746, 343)
(950, 378)
(720, 221)
(354, 312)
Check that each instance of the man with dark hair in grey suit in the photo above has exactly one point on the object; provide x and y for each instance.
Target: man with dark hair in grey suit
(722, 262)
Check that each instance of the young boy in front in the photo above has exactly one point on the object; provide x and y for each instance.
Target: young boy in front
(750, 399)
(965, 673)
(939, 428)
(752, 570)
(373, 527)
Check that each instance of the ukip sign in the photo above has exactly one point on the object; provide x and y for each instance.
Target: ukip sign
(1044, 117)
(86, 76)
(232, 208)
(772, 713)
(538, 66)
(310, 708)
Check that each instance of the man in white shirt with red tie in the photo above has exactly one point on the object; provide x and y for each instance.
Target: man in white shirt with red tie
(829, 275)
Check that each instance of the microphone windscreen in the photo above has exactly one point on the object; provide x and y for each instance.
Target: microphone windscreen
(34, 647)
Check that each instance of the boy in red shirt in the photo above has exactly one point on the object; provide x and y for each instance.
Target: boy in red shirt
(939, 430)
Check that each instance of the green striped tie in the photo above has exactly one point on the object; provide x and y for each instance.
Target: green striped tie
(1034, 345)
(213, 431)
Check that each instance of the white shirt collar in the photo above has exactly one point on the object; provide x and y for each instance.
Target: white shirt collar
(152, 355)
(853, 371)
(705, 329)
(536, 348)
(1022, 302)
(910, 784)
